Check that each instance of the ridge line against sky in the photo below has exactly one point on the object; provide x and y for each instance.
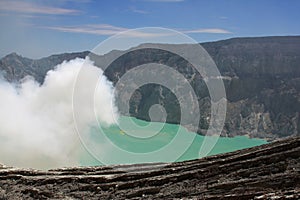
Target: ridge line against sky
(43, 27)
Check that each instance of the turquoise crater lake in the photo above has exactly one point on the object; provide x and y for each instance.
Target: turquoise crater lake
(153, 137)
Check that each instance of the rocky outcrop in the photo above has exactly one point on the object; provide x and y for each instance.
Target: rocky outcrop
(15, 67)
(269, 171)
(261, 78)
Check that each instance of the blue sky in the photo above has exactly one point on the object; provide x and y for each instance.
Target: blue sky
(43, 27)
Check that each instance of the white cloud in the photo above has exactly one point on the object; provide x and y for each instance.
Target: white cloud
(104, 29)
(97, 29)
(135, 10)
(208, 30)
(107, 30)
(165, 1)
(76, 1)
(223, 17)
(27, 7)
(42, 134)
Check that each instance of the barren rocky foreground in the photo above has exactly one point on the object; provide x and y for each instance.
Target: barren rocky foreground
(269, 171)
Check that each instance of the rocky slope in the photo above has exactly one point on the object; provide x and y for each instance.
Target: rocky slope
(15, 67)
(261, 77)
(270, 171)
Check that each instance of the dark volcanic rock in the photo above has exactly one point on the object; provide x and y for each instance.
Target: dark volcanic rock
(261, 78)
(269, 171)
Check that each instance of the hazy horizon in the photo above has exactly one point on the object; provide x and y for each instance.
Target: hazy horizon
(78, 51)
(36, 29)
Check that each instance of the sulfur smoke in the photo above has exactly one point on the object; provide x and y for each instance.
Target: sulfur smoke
(37, 129)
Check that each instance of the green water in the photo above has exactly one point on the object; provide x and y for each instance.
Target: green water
(153, 138)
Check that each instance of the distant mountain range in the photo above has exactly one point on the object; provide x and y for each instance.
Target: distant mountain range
(262, 81)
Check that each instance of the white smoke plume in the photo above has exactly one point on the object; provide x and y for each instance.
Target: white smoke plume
(37, 128)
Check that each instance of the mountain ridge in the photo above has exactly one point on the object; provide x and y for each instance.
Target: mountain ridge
(262, 82)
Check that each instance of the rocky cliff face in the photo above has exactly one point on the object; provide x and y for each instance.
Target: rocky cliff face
(261, 77)
(265, 84)
(269, 171)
